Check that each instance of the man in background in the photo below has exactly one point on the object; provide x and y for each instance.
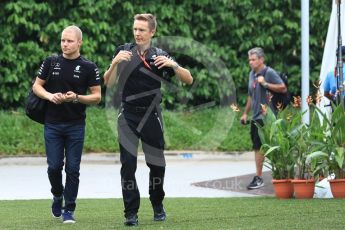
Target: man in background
(330, 86)
(261, 79)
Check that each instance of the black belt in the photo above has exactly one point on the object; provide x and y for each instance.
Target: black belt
(136, 109)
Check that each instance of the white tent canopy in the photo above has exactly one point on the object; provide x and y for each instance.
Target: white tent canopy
(329, 58)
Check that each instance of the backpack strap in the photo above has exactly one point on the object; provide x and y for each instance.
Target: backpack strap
(127, 46)
(264, 71)
(159, 51)
(268, 92)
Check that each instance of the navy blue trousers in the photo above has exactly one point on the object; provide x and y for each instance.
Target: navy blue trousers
(64, 141)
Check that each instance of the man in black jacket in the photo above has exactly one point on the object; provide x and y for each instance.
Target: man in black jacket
(141, 68)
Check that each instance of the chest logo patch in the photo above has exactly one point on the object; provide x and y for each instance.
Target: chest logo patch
(77, 69)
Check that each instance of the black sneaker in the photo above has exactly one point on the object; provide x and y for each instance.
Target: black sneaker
(57, 207)
(131, 220)
(257, 182)
(159, 213)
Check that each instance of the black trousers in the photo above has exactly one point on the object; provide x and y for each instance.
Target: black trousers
(132, 126)
(254, 133)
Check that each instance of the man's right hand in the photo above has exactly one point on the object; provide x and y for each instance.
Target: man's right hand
(109, 75)
(243, 119)
(123, 55)
(57, 98)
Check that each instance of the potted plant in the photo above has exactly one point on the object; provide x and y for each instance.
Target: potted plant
(276, 145)
(308, 137)
(333, 150)
(286, 143)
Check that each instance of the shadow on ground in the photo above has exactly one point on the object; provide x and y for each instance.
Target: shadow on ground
(239, 184)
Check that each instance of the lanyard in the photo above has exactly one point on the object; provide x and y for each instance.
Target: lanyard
(142, 57)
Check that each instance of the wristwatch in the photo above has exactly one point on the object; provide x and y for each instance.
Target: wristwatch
(265, 85)
(76, 99)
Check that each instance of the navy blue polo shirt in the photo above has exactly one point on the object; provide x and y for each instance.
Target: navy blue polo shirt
(75, 75)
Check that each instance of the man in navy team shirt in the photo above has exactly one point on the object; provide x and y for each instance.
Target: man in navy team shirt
(64, 128)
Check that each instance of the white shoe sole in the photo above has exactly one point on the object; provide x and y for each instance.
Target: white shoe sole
(256, 187)
(56, 217)
(69, 222)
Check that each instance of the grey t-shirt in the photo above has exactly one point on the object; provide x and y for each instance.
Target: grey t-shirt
(258, 93)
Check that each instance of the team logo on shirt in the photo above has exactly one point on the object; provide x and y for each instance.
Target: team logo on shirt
(57, 66)
(77, 69)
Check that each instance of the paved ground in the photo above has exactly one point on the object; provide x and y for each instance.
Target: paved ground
(192, 174)
(239, 184)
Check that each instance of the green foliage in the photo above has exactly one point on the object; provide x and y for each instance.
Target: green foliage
(315, 149)
(19, 134)
(279, 135)
(330, 156)
(31, 31)
(288, 143)
(208, 130)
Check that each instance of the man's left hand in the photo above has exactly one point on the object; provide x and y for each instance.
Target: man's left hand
(163, 61)
(70, 96)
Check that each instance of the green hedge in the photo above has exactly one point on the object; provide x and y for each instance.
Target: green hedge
(30, 30)
(208, 130)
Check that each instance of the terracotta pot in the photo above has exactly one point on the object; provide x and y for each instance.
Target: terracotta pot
(283, 188)
(304, 189)
(337, 188)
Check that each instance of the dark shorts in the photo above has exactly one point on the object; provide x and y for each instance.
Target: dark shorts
(254, 134)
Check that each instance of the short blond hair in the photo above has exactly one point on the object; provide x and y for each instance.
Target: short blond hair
(150, 18)
(76, 30)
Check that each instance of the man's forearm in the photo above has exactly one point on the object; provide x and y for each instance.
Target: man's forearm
(183, 75)
(90, 99)
(39, 90)
(248, 105)
(278, 88)
(110, 75)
